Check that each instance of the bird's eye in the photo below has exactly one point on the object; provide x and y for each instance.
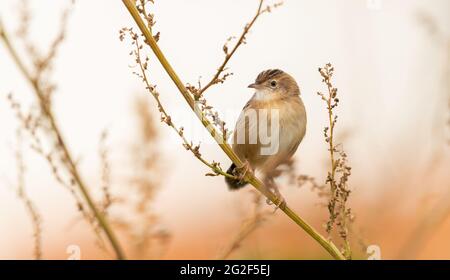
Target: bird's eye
(273, 84)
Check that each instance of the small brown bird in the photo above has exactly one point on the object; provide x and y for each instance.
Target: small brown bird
(276, 107)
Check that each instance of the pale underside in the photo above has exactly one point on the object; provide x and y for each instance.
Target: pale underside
(292, 128)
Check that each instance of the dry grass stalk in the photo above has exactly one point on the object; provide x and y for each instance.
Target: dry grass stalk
(103, 152)
(320, 189)
(190, 98)
(338, 176)
(221, 75)
(143, 228)
(42, 127)
(142, 63)
(29, 204)
(248, 226)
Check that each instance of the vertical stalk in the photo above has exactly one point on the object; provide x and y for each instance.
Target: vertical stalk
(102, 221)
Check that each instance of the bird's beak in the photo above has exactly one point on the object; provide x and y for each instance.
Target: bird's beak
(252, 85)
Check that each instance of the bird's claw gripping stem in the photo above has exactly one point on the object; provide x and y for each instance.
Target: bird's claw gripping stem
(243, 171)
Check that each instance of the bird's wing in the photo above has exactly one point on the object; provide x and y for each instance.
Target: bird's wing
(246, 133)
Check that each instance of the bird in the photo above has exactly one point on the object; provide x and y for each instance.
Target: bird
(276, 103)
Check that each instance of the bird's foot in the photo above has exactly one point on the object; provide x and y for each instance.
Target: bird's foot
(281, 201)
(243, 171)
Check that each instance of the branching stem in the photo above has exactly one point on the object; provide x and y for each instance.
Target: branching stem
(230, 54)
(102, 221)
(327, 245)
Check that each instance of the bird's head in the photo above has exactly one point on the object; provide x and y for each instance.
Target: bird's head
(273, 84)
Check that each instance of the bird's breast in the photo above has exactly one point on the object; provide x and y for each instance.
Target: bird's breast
(285, 122)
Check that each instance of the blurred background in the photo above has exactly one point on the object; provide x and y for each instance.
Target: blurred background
(392, 69)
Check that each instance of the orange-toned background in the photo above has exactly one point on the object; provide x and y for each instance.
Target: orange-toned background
(392, 75)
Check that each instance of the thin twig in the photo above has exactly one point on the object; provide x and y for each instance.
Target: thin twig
(29, 204)
(143, 227)
(327, 245)
(103, 153)
(165, 117)
(248, 226)
(216, 78)
(47, 111)
(339, 191)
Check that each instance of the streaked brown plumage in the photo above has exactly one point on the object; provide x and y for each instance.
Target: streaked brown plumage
(274, 89)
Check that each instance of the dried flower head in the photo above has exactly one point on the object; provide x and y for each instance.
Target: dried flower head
(337, 178)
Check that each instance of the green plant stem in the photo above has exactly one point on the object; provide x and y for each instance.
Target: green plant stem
(327, 245)
(102, 221)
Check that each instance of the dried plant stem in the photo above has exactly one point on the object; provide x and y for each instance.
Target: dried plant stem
(333, 163)
(29, 205)
(250, 225)
(339, 192)
(167, 119)
(103, 223)
(327, 245)
(247, 228)
(228, 55)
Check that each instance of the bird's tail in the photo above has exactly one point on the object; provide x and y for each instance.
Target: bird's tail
(234, 184)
